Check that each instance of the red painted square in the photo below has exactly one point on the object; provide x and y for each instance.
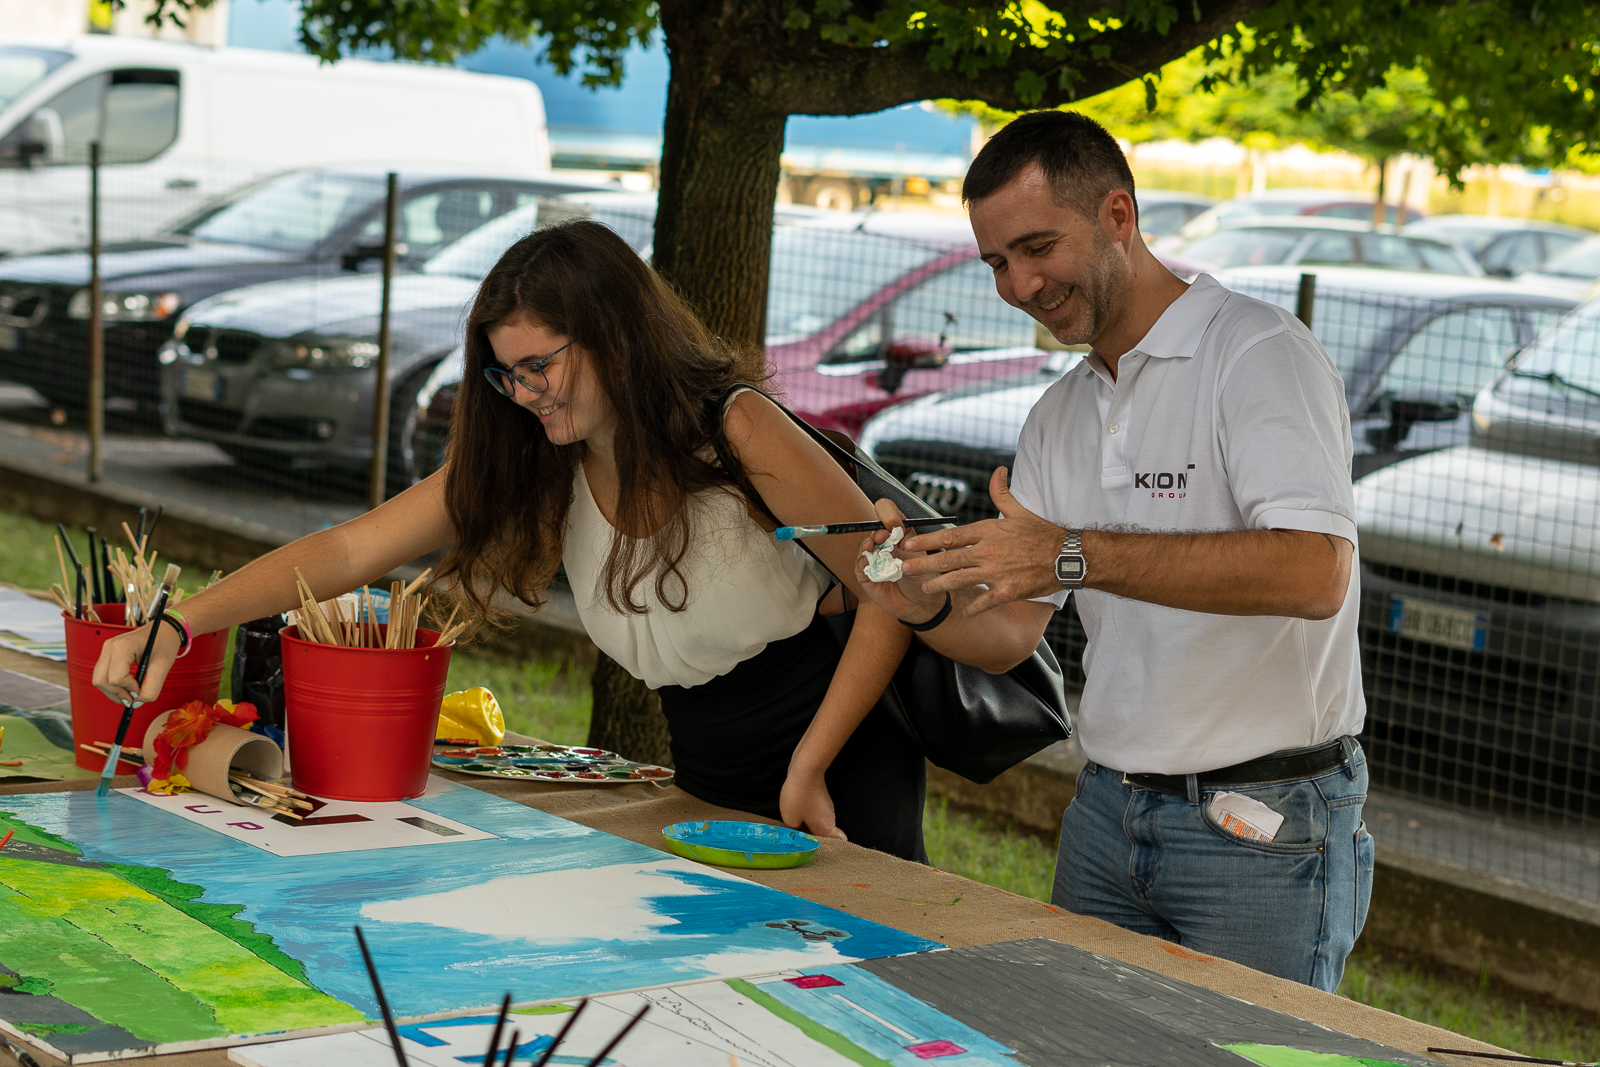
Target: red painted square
(813, 981)
(932, 1050)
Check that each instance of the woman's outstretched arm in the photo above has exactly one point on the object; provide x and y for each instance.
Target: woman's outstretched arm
(803, 485)
(334, 561)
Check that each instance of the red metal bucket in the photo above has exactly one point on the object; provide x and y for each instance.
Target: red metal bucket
(197, 676)
(362, 720)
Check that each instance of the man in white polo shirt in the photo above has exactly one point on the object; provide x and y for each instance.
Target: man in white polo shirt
(1189, 482)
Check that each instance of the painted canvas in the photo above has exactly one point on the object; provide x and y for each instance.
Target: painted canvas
(1032, 1003)
(125, 929)
(828, 1017)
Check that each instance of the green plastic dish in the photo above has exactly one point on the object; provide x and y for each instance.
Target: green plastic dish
(751, 845)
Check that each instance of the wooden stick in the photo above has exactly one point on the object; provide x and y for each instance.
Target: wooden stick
(448, 623)
(417, 581)
(286, 790)
(66, 583)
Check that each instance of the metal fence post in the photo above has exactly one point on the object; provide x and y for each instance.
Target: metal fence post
(380, 391)
(97, 337)
(1308, 296)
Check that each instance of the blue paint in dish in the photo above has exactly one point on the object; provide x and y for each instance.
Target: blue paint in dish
(740, 844)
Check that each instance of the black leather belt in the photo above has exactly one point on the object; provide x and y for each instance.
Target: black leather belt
(1264, 771)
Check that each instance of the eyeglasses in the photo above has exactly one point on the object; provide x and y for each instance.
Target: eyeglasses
(530, 375)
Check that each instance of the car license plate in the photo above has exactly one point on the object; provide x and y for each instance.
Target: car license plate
(1438, 624)
(8, 338)
(202, 385)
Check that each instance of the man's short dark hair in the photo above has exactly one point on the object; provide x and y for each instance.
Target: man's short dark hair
(1081, 161)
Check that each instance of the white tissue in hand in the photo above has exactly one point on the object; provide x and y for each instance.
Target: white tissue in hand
(882, 566)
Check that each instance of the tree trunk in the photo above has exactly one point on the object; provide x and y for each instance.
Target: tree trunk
(1378, 209)
(720, 163)
(627, 716)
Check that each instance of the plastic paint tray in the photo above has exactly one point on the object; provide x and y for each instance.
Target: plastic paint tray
(741, 844)
(550, 764)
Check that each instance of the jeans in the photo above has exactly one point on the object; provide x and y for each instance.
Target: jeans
(1160, 865)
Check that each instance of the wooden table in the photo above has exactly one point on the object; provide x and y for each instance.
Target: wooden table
(908, 896)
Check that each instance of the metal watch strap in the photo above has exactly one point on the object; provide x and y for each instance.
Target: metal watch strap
(1070, 568)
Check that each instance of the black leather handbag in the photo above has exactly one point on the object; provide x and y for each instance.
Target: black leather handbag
(963, 718)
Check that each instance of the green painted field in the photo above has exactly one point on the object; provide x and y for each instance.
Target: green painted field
(103, 943)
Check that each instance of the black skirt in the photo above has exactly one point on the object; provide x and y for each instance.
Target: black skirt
(732, 738)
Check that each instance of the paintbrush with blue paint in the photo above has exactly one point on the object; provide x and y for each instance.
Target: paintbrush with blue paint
(157, 610)
(789, 533)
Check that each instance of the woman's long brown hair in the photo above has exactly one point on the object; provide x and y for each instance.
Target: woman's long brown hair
(508, 488)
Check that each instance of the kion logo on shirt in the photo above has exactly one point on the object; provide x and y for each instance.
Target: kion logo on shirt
(1164, 480)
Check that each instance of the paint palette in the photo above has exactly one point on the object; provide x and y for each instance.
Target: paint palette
(559, 764)
(741, 844)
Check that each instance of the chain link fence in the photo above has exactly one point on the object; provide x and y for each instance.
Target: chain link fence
(242, 337)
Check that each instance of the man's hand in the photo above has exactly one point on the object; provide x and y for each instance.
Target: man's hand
(1013, 557)
(904, 599)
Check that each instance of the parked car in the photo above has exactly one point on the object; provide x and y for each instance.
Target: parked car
(1480, 629)
(280, 374)
(181, 125)
(1412, 349)
(307, 222)
(1574, 270)
(1323, 242)
(1503, 246)
(1547, 401)
(1275, 203)
(1163, 211)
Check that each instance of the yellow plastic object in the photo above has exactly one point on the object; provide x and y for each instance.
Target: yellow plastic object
(472, 713)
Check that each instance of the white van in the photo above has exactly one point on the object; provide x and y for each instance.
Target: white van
(179, 124)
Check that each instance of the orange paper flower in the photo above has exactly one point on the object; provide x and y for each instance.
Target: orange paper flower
(188, 726)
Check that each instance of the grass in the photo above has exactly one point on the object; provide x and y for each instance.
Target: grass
(549, 698)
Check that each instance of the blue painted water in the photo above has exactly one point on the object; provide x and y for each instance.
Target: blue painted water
(308, 905)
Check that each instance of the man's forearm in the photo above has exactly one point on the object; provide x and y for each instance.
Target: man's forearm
(1292, 573)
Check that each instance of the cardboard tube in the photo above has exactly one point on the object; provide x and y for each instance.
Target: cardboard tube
(225, 748)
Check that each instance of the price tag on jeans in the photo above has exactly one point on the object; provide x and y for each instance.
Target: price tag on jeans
(1245, 817)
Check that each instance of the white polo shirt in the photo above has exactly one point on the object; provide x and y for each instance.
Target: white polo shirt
(1228, 415)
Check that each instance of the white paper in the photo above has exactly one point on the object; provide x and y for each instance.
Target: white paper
(1244, 816)
(380, 825)
(30, 619)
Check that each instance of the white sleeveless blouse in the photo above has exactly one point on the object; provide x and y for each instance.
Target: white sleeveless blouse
(745, 591)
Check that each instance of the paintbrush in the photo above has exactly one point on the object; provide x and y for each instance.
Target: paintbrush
(383, 1002)
(499, 1027)
(156, 611)
(1512, 1059)
(94, 571)
(20, 1053)
(511, 1047)
(561, 1035)
(789, 533)
(600, 1057)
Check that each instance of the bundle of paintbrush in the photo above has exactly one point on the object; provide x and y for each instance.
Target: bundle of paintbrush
(111, 579)
(260, 793)
(330, 623)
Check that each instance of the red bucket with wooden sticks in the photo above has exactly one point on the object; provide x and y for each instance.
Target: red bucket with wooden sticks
(361, 720)
(197, 676)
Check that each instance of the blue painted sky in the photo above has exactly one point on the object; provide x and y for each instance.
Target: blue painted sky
(638, 105)
(699, 925)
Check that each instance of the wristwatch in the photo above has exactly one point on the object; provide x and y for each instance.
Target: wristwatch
(1070, 567)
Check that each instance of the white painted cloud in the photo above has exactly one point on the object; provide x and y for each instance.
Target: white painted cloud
(596, 903)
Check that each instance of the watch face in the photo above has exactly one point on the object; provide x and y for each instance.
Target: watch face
(1069, 568)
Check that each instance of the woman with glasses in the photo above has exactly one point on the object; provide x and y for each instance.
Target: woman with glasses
(583, 437)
